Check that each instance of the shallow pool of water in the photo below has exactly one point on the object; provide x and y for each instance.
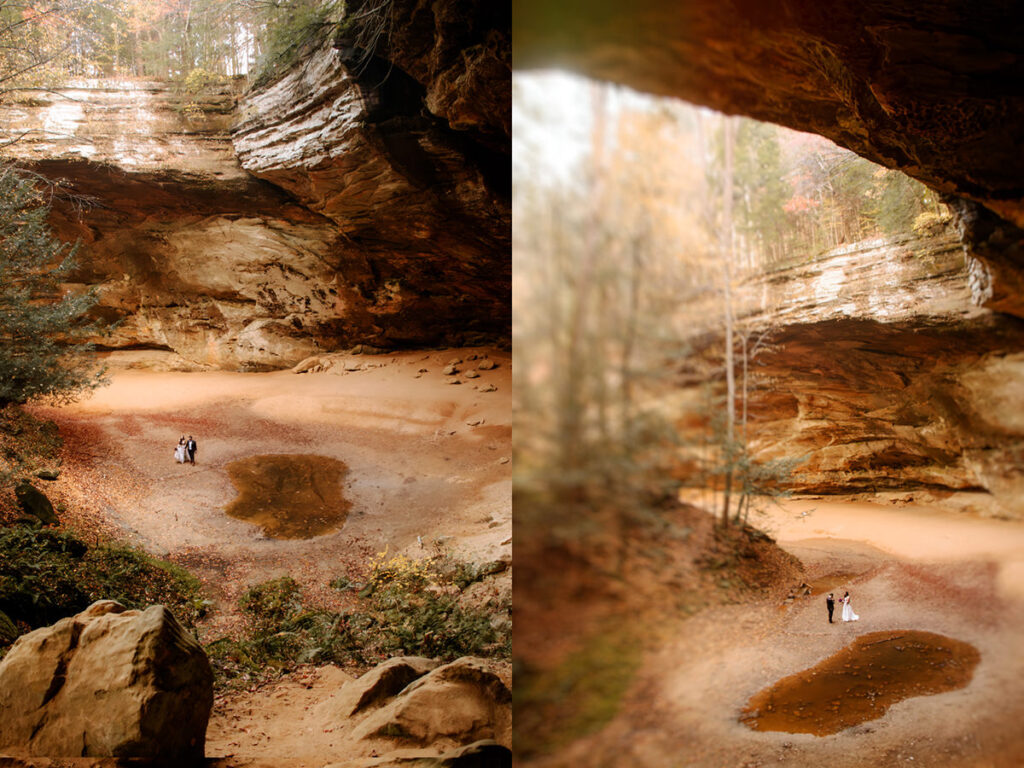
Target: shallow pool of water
(860, 682)
(291, 496)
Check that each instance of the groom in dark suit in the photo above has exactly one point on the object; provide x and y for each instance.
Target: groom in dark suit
(830, 603)
(190, 446)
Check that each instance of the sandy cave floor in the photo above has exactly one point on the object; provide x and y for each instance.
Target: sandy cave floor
(906, 568)
(427, 461)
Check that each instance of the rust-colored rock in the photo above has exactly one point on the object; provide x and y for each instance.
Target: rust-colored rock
(371, 208)
(878, 373)
(408, 169)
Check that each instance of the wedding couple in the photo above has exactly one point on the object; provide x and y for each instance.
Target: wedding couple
(185, 451)
(848, 614)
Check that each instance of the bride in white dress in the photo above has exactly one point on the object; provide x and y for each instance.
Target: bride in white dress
(848, 614)
(179, 451)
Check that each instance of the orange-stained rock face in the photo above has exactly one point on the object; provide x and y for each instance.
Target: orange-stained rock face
(366, 210)
(878, 372)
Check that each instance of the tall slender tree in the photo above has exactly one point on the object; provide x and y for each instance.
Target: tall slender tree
(41, 322)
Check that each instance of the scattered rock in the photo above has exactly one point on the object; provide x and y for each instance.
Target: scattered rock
(48, 474)
(33, 502)
(489, 388)
(496, 566)
(454, 381)
(381, 683)
(487, 365)
(472, 375)
(504, 460)
(423, 370)
(450, 370)
(314, 364)
(455, 361)
(107, 682)
(464, 701)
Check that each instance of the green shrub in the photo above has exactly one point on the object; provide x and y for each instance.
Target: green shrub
(41, 575)
(404, 607)
(137, 580)
(47, 574)
(271, 604)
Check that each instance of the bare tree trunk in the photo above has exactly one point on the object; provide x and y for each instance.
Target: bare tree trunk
(629, 339)
(729, 137)
(573, 400)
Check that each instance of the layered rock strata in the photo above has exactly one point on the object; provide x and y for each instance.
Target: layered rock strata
(371, 206)
(875, 371)
(421, 198)
(189, 253)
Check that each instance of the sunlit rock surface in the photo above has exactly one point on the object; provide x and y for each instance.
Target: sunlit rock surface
(189, 252)
(877, 371)
(382, 215)
(107, 682)
(929, 88)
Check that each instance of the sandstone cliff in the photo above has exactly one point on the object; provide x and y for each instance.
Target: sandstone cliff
(932, 90)
(878, 372)
(365, 209)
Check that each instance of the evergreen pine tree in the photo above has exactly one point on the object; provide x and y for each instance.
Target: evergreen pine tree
(40, 323)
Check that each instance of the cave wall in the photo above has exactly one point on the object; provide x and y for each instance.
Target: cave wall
(326, 210)
(421, 197)
(877, 372)
(932, 89)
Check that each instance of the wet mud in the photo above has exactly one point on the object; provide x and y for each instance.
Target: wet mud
(289, 496)
(860, 682)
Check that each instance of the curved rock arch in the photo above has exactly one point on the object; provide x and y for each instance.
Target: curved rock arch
(930, 89)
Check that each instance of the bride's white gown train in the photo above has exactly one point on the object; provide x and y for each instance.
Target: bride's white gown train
(848, 614)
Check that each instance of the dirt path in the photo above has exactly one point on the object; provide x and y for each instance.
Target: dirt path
(909, 568)
(427, 461)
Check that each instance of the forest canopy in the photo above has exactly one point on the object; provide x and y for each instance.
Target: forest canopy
(45, 42)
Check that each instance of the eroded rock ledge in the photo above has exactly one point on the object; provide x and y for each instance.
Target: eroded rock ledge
(877, 372)
(422, 208)
(370, 210)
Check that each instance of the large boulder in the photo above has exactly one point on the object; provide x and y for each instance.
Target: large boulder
(459, 703)
(382, 683)
(107, 682)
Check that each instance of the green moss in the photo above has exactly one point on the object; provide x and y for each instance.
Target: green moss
(579, 696)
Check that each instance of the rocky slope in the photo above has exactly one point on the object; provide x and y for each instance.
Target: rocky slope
(365, 209)
(932, 90)
(878, 372)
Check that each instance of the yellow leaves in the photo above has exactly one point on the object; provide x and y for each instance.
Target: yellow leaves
(400, 570)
